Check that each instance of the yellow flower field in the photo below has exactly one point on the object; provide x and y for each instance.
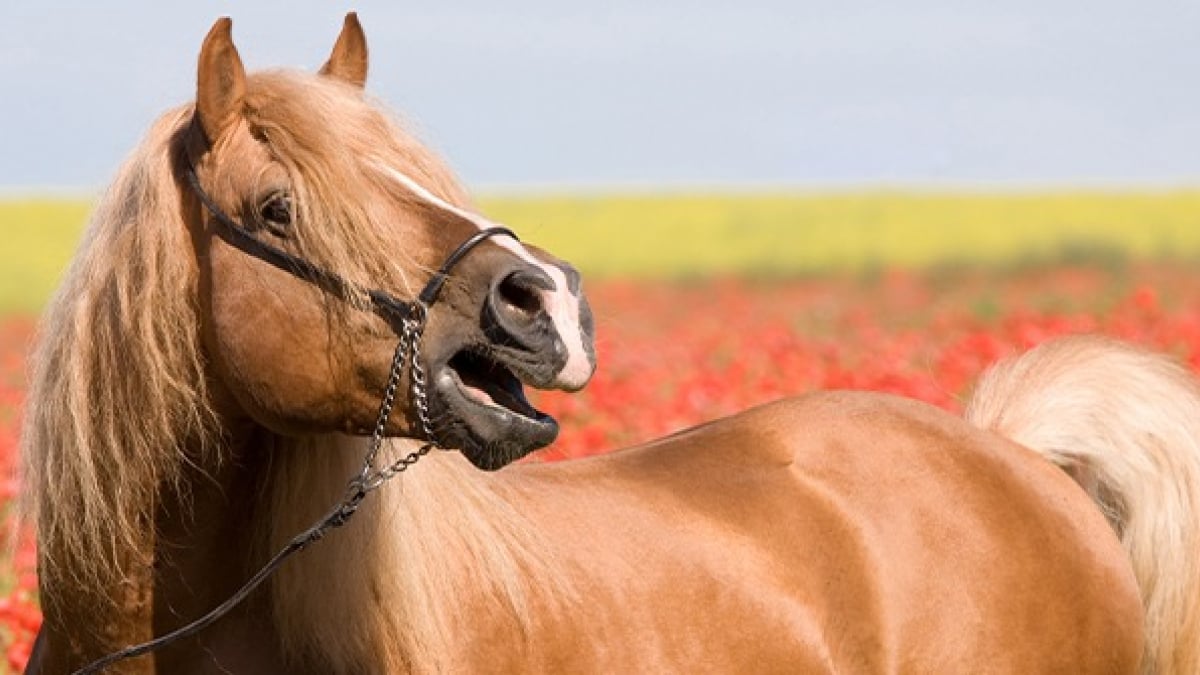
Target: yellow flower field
(812, 233)
(686, 235)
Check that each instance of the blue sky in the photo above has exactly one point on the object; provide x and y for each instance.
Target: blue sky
(624, 93)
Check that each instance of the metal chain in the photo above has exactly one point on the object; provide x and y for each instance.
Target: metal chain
(407, 350)
(419, 389)
(385, 406)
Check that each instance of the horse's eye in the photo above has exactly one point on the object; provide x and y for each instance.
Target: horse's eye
(276, 212)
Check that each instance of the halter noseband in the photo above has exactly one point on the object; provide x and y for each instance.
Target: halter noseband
(409, 317)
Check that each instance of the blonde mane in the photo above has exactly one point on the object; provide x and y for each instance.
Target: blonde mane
(118, 390)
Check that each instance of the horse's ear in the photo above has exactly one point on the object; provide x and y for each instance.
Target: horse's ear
(220, 82)
(348, 62)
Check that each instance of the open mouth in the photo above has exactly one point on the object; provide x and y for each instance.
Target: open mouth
(480, 407)
(490, 383)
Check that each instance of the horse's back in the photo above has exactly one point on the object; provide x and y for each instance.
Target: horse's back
(855, 532)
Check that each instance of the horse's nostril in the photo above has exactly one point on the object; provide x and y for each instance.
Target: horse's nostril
(521, 291)
(519, 298)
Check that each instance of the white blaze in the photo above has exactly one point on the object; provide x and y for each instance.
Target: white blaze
(561, 304)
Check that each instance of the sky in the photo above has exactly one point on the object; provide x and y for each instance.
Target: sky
(652, 93)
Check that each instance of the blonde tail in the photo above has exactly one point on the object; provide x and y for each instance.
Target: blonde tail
(1125, 423)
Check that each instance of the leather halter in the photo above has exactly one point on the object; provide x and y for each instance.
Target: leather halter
(383, 303)
(408, 316)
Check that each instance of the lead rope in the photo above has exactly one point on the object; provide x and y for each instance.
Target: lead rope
(368, 480)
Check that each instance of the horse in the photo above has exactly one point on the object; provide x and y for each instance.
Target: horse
(280, 272)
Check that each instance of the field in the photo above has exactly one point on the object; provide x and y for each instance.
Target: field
(707, 305)
(759, 235)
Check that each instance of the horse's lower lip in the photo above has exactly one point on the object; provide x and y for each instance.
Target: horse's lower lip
(489, 421)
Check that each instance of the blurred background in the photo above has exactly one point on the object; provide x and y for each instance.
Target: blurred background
(801, 136)
(765, 197)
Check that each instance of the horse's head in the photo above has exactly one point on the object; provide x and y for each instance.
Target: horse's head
(306, 164)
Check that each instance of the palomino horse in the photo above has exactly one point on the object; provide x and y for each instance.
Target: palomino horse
(220, 346)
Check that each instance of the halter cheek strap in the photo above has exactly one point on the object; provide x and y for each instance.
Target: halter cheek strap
(383, 303)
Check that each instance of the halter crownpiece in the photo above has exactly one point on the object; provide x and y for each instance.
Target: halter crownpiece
(410, 317)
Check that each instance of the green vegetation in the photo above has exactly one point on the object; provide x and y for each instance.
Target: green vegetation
(757, 234)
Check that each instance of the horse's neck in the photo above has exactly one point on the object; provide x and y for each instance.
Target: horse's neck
(210, 540)
(205, 522)
(437, 548)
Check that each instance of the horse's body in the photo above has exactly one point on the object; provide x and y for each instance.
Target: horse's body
(816, 535)
(838, 532)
